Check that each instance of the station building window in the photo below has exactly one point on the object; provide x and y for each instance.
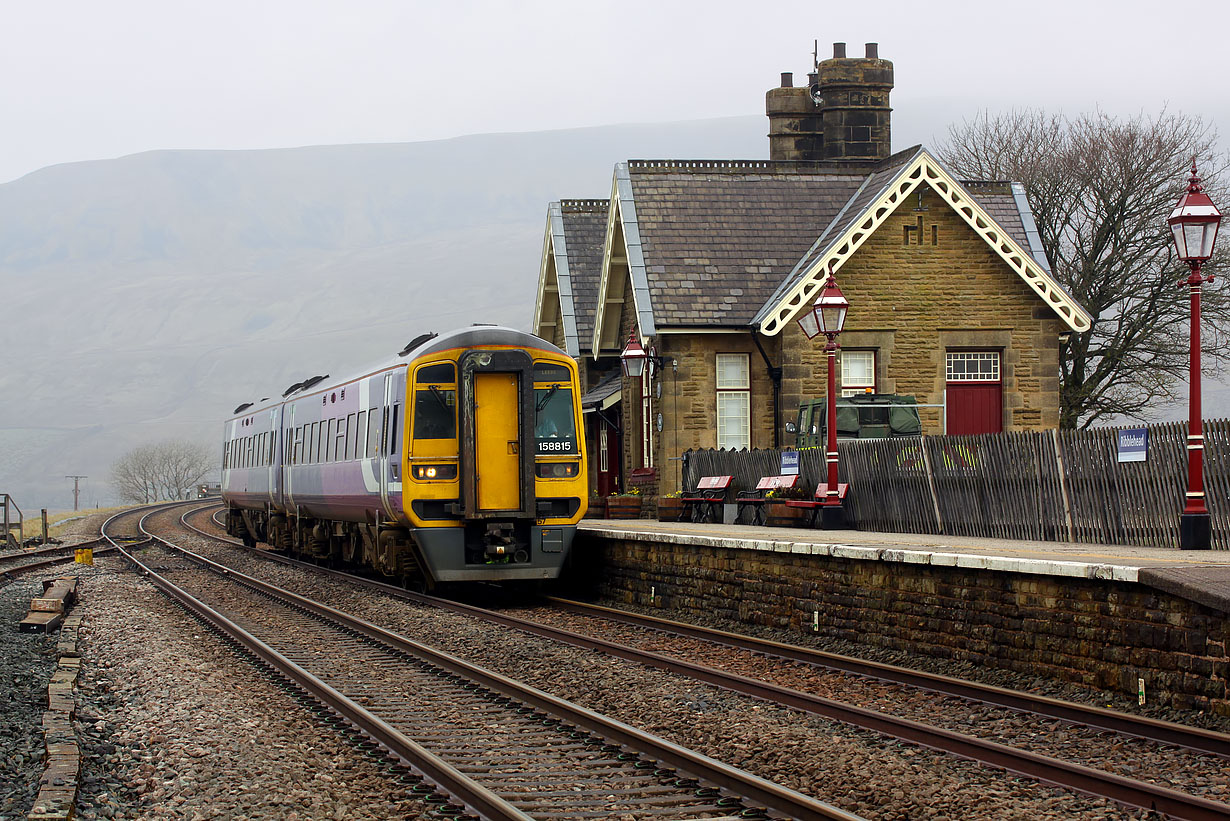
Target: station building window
(733, 401)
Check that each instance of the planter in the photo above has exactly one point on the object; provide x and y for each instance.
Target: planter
(779, 514)
(597, 508)
(623, 507)
(670, 508)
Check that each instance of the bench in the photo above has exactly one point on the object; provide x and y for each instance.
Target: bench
(755, 499)
(813, 505)
(704, 504)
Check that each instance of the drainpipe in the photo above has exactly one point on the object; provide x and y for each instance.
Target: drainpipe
(775, 373)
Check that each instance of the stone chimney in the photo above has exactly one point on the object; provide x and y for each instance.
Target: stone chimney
(842, 115)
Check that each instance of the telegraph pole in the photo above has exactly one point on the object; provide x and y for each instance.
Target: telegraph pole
(76, 488)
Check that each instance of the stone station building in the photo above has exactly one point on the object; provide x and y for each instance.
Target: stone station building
(709, 263)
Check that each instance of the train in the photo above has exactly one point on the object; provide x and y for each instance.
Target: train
(457, 460)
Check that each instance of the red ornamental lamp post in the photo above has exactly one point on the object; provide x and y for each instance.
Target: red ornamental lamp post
(828, 317)
(1194, 222)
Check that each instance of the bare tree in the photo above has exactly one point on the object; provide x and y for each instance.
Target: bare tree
(166, 470)
(1100, 189)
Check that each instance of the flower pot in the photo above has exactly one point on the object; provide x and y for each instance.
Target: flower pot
(597, 508)
(670, 508)
(623, 507)
(779, 514)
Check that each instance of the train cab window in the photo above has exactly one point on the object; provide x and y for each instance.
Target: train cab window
(554, 422)
(435, 402)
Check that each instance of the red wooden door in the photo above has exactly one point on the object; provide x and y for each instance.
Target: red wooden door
(975, 397)
(975, 407)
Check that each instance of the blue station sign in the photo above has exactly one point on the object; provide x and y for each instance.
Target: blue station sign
(1133, 444)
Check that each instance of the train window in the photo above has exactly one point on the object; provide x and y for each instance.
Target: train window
(360, 439)
(393, 432)
(551, 372)
(352, 436)
(436, 374)
(554, 423)
(373, 433)
(339, 441)
(435, 413)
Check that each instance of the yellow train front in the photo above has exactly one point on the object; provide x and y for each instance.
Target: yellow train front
(494, 464)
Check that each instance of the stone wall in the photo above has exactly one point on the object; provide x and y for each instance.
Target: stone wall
(1100, 633)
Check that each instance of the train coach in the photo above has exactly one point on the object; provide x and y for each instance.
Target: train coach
(459, 460)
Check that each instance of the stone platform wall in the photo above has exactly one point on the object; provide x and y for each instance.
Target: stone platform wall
(1100, 633)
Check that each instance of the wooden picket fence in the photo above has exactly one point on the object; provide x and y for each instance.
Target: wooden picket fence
(1039, 485)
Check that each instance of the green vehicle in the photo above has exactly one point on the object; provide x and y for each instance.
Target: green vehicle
(865, 416)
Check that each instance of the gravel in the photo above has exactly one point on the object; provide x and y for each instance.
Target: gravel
(859, 771)
(176, 726)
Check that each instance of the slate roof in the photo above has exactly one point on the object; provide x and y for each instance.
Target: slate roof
(719, 237)
(585, 237)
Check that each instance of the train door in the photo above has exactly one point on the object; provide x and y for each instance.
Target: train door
(497, 434)
(387, 460)
(274, 476)
(497, 441)
(278, 460)
(288, 463)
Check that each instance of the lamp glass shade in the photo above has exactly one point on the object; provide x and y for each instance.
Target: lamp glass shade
(633, 358)
(832, 318)
(1194, 222)
(810, 323)
(831, 308)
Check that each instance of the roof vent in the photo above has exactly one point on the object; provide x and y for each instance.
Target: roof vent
(307, 383)
(417, 341)
(242, 407)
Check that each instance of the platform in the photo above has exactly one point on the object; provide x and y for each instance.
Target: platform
(1202, 576)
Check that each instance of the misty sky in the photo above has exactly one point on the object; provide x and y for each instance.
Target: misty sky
(90, 80)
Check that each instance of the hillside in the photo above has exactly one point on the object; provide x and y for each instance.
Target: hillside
(149, 295)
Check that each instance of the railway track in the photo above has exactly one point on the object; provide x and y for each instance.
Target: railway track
(27, 561)
(1124, 790)
(500, 748)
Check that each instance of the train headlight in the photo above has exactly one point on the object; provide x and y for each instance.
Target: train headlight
(426, 473)
(557, 470)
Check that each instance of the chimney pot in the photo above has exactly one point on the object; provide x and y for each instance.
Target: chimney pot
(839, 51)
(787, 79)
(873, 51)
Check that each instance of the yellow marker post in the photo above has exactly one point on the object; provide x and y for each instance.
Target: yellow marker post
(85, 556)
